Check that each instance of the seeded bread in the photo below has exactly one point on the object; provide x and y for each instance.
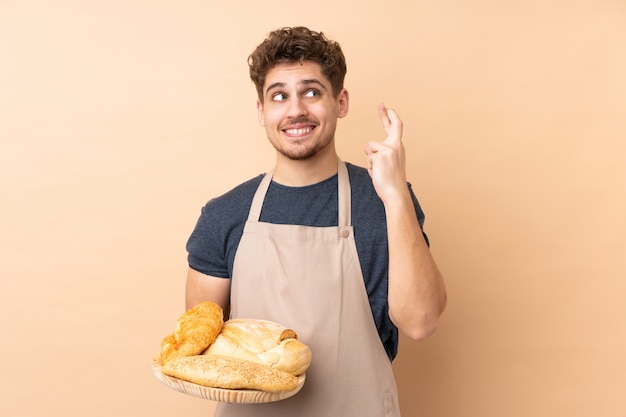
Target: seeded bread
(230, 373)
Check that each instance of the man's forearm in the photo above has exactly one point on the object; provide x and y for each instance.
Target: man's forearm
(417, 294)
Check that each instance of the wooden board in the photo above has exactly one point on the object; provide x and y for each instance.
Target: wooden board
(241, 396)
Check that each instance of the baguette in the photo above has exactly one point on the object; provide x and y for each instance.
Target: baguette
(229, 373)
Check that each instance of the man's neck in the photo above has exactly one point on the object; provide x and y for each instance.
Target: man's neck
(299, 173)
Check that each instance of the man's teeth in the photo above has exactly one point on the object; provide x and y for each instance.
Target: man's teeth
(296, 132)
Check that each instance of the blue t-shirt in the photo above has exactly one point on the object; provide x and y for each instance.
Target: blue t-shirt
(214, 241)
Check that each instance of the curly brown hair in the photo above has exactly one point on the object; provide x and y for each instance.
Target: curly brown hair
(297, 44)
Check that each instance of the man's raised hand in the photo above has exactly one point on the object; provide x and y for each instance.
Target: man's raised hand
(386, 161)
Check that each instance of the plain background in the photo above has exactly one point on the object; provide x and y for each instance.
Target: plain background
(120, 119)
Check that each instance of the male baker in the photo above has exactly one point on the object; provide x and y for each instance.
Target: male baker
(330, 249)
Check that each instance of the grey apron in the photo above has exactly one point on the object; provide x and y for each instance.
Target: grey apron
(309, 279)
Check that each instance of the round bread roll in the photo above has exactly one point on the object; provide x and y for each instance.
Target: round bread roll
(263, 342)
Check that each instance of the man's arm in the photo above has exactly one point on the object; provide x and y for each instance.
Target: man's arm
(201, 287)
(417, 294)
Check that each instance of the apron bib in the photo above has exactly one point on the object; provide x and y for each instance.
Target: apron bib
(309, 279)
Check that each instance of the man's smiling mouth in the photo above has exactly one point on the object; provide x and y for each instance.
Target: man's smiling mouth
(299, 131)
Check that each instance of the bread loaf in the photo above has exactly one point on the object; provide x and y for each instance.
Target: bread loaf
(231, 373)
(262, 342)
(195, 330)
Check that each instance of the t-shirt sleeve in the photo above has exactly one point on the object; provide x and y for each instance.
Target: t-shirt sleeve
(420, 213)
(205, 253)
(212, 245)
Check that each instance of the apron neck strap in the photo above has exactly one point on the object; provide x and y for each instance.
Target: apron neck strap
(343, 191)
(344, 203)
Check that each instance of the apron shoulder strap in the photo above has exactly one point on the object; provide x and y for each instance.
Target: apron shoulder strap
(257, 201)
(345, 203)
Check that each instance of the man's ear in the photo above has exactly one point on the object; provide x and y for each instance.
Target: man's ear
(343, 100)
(259, 109)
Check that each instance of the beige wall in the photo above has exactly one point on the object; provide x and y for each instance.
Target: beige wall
(119, 119)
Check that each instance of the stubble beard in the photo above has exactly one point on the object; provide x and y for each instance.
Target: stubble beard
(302, 153)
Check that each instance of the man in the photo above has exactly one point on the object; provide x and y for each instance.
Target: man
(329, 249)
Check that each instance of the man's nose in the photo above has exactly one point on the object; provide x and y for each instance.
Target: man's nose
(296, 108)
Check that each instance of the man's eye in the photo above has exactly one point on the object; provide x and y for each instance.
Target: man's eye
(279, 97)
(311, 93)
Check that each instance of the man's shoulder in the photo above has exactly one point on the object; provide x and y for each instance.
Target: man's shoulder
(356, 169)
(237, 197)
(358, 175)
(361, 183)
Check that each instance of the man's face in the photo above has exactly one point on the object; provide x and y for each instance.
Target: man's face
(299, 111)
